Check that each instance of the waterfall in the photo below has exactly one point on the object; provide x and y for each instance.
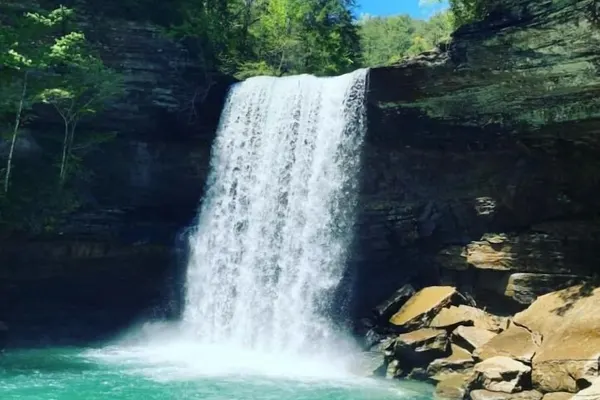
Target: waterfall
(273, 235)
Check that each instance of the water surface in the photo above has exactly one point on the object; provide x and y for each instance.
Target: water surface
(100, 374)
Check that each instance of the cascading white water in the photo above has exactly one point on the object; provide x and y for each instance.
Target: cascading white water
(272, 238)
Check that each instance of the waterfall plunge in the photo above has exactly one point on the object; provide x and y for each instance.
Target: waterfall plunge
(271, 242)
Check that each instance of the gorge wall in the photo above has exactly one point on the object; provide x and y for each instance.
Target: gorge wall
(111, 260)
(481, 169)
(482, 158)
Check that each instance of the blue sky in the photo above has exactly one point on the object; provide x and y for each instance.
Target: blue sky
(391, 7)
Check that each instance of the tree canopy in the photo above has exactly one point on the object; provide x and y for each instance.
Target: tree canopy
(276, 37)
(387, 40)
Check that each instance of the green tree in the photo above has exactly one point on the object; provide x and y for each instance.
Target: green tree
(81, 90)
(274, 37)
(465, 11)
(387, 40)
(25, 52)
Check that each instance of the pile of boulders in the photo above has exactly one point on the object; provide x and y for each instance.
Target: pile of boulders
(549, 351)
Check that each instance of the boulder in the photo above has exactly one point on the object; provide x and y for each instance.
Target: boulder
(501, 374)
(384, 346)
(423, 306)
(389, 307)
(568, 322)
(420, 347)
(558, 396)
(371, 364)
(471, 338)
(453, 387)
(453, 316)
(458, 361)
(591, 393)
(516, 342)
(525, 288)
(373, 339)
(420, 375)
(488, 395)
(393, 370)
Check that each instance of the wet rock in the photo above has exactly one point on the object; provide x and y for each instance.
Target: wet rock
(373, 338)
(423, 306)
(420, 347)
(471, 338)
(391, 306)
(516, 342)
(501, 374)
(371, 364)
(394, 370)
(420, 374)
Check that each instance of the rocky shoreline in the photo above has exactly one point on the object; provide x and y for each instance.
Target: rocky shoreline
(549, 351)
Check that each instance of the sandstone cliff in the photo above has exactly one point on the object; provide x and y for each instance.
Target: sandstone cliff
(482, 167)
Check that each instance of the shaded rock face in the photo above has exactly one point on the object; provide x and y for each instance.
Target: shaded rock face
(75, 291)
(481, 159)
(120, 257)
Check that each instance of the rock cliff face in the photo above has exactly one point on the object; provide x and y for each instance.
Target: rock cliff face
(481, 167)
(481, 170)
(115, 259)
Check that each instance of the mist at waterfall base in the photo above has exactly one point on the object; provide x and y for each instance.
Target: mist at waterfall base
(264, 278)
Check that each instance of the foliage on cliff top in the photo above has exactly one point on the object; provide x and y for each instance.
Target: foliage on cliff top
(279, 37)
(275, 37)
(387, 40)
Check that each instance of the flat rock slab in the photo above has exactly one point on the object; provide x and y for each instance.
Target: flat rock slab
(488, 395)
(459, 360)
(531, 252)
(423, 306)
(471, 338)
(425, 339)
(501, 374)
(568, 322)
(516, 342)
(558, 396)
(453, 316)
(419, 348)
